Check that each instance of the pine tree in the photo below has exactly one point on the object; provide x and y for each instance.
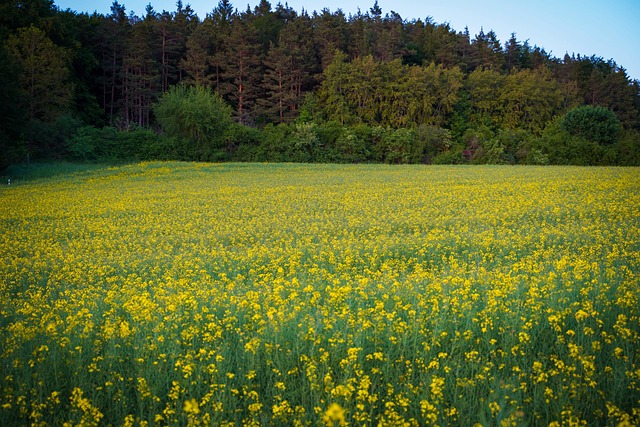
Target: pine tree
(487, 51)
(115, 34)
(278, 82)
(241, 70)
(199, 56)
(141, 72)
(184, 22)
(222, 18)
(330, 35)
(290, 67)
(266, 24)
(16, 14)
(512, 51)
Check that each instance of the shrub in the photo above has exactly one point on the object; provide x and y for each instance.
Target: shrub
(196, 115)
(592, 123)
(432, 140)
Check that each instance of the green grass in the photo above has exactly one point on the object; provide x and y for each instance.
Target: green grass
(41, 170)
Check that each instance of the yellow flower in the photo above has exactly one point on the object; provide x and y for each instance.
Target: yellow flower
(334, 415)
(191, 407)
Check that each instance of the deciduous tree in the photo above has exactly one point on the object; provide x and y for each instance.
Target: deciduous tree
(44, 74)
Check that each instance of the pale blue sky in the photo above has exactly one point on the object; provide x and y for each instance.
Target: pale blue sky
(605, 28)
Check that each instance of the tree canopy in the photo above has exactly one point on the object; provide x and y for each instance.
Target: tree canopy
(273, 66)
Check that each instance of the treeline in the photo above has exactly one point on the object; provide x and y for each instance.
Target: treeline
(272, 84)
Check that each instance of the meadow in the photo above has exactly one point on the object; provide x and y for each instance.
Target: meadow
(158, 294)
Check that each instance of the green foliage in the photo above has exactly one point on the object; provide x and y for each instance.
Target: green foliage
(388, 93)
(593, 123)
(48, 139)
(196, 115)
(108, 145)
(352, 145)
(586, 135)
(310, 109)
(242, 142)
(453, 156)
(44, 77)
(12, 116)
(345, 83)
(529, 100)
(563, 148)
(525, 99)
(399, 146)
(303, 142)
(507, 146)
(484, 87)
(434, 140)
(274, 145)
(629, 149)
(333, 91)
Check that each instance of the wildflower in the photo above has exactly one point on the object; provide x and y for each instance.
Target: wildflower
(334, 415)
(191, 407)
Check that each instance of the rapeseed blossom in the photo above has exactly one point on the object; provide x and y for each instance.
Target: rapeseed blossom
(205, 294)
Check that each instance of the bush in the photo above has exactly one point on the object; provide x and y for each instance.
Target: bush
(628, 149)
(243, 143)
(453, 156)
(303, 143)
(47, 140)
(507, 146)
(592, 123)
(563, 148)
(274, 144)
(109, 144)
(433, 140)
(196, 115)
(473, 141)
(352, 146)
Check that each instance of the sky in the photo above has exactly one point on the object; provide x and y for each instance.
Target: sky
(609, 29)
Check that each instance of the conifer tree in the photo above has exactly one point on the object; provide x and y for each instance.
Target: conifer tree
(141, 72)
(241, 70)
(199, 56)
(330, 34)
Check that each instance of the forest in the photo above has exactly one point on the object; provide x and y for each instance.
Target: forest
(271, 84)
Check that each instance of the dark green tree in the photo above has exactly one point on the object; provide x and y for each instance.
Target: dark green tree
(184, 22)
(141, 71)
(242, 70)
(267, 25)
(80, 35)
(16, 14)
(289, 69)
(44, 74)
(330, 34)
(278, 83)
(487, 51)
(12, 114)
(197, 63)
(221, 18)
(594, 123)
(389, 45)
(115, 35)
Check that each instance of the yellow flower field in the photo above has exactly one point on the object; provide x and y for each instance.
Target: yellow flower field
(203, 294)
